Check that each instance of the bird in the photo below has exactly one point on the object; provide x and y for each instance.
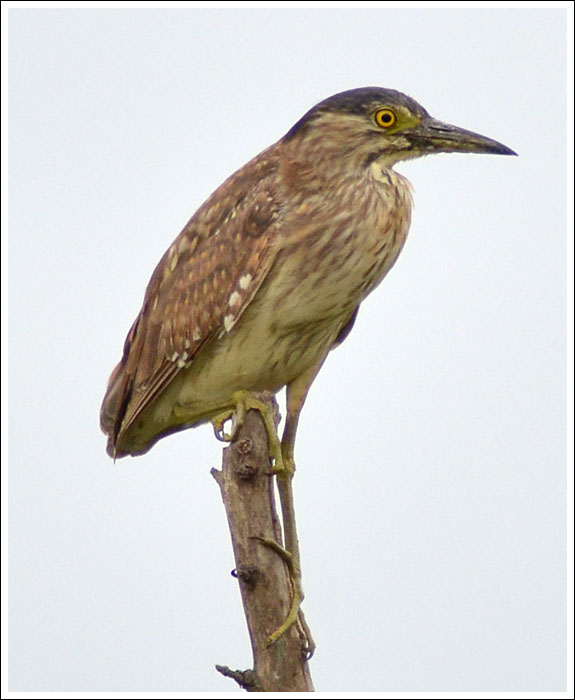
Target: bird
(267, 276)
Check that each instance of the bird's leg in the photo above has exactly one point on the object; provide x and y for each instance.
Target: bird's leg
(284, 469)
(296, 395)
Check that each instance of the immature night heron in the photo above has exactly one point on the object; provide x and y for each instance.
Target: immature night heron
(267, 276)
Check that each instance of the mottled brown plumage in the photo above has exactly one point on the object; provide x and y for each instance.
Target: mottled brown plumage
(268, 274)
(267, 277)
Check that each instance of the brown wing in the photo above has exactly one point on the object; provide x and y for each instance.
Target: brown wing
(199, 289)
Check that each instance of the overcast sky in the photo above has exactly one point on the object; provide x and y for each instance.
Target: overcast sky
(431, 469)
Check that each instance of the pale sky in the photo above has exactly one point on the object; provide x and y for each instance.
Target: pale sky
(430, 489)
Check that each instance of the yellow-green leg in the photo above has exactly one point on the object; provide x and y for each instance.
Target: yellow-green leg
(284, 469)
(296, 395)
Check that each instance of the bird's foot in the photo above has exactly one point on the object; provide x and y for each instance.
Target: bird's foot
(243, 402)
(295, 614)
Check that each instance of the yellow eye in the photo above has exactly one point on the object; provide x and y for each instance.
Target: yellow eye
(385, 118)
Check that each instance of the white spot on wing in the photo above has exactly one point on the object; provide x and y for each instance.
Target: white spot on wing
(245, 281)
(234, 299)
(228, 322)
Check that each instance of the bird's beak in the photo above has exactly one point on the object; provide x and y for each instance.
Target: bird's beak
(433, 136)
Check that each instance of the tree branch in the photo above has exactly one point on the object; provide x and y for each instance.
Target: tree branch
(247, 491)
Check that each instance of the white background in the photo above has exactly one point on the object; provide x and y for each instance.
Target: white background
(431, 467)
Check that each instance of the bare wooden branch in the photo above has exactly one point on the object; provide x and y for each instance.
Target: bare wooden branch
(247, 492)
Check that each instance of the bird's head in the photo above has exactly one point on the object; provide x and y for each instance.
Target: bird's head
(372, 123)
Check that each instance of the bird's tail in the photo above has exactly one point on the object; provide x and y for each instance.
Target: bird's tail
(114, 406)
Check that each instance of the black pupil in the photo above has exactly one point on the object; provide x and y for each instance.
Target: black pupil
(386, 118)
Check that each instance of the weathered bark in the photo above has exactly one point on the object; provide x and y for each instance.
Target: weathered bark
(247, 492)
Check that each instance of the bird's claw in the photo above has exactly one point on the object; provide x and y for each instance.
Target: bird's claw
(218, 425)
